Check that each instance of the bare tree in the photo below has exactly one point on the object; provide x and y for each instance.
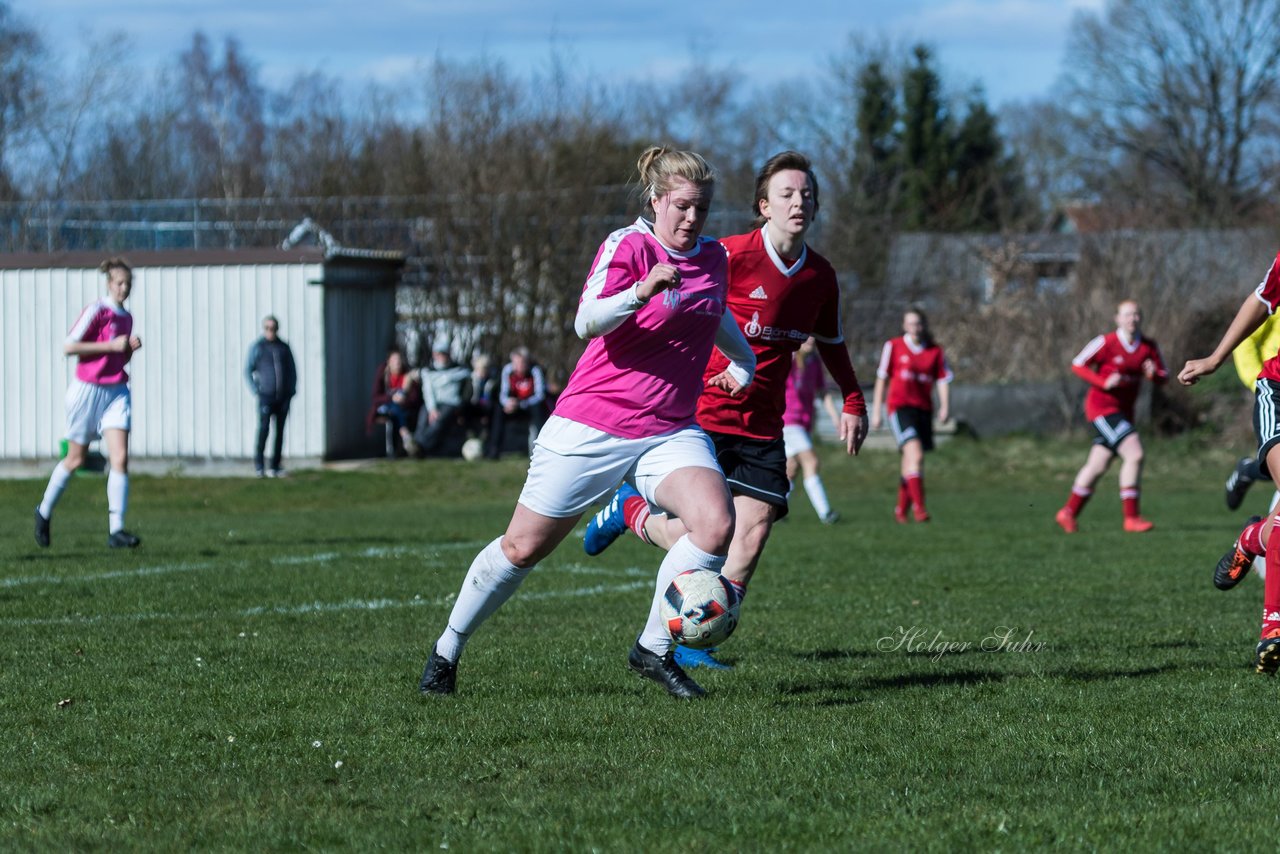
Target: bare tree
(1184, 91)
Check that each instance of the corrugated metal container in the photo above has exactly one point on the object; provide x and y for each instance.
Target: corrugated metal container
(197, 314)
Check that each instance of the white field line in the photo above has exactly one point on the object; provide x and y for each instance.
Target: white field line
(308, 608)
(642, 578)
(325, 557)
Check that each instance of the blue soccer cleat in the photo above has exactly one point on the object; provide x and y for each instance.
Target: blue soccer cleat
(688, 657)
(609, 524)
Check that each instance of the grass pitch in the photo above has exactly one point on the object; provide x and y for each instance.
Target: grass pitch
(247, 679)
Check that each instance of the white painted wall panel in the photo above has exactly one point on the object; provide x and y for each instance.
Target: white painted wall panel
(190, 398)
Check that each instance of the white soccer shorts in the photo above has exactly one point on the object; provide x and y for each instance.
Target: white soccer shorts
(796, 439)
(93, 409)
(575, 466)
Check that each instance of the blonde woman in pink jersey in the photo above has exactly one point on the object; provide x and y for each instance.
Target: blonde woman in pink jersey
(652, 308)
(98, 403)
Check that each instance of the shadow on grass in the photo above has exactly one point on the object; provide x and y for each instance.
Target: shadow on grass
(830, 692)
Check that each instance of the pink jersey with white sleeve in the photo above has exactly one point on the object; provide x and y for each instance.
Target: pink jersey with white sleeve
(101, 322)
(643, 378)
(803, 384)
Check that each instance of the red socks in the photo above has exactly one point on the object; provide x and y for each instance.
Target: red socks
(635, 511)
(1078, 499)
(1250, 540)
(1129, 501)
(1271, 586)
(915, 488)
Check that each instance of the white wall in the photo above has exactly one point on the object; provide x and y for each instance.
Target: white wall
(190, 398)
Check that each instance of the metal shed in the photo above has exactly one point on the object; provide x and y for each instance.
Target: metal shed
(197, 313)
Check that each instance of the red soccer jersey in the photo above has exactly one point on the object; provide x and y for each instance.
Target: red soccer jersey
(777, 305)
(912, 372)
(1111, 354)
(1269, 293)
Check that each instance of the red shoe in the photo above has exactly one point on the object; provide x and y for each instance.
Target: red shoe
(1066, 520)
(900, 515)
(1137, 525)
(921, 514)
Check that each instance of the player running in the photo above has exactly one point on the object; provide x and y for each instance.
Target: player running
(805, 382)
(652, 308)
(1260, 536)
(911, 367)
(780, 293)
(98, 403)
(1114, 365)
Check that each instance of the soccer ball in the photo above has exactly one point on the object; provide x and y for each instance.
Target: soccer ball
(700, 609)
(472, 449)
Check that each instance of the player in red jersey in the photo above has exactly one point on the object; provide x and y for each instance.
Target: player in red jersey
(1260, 536)
(1114, 366)
(911, 368)
(780, 293)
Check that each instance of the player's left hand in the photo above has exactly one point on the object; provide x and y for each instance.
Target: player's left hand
(853, 432)
(725, 382)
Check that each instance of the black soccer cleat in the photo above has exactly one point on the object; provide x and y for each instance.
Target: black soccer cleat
(123, 540)
(42, 530)
(440, 676)
(1238, 483)
(1234, 565)
(664, 670)
(1267, 657)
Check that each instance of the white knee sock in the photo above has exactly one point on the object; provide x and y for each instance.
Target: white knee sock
(57, 485)
(490, 581)
(117, 499)
(684, 555)
(817, 494)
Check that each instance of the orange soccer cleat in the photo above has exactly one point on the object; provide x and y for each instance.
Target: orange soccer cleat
(1066, 520)
(1137, 525)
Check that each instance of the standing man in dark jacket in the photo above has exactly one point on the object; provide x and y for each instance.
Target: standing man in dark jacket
(274, 379)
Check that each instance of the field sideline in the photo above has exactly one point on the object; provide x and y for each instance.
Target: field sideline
(247, 679)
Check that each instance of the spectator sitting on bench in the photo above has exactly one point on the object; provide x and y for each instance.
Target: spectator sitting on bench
(396, 400)
(446, 390)
(522, 394)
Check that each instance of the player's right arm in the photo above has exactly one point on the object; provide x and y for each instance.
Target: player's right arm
(1253, 311)
(618, 287)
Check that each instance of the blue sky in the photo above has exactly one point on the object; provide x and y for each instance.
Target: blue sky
(1013, 48)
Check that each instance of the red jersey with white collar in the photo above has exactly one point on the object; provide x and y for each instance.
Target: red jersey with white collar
(1269, 293)
(777, 304)
(912, 371)
(1112, 354)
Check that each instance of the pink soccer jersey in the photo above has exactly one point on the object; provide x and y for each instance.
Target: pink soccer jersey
(102, 321)
(803, 385)
(644, 377)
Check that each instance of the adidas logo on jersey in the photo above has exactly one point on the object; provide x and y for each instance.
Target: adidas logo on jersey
(758, 293)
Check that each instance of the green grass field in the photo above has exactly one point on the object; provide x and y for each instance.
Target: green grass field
(247, 679)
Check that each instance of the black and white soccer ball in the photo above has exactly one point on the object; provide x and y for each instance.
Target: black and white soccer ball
(700, 609)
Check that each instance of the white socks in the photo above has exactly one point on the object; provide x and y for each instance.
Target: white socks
(117, 495)
(490, 581)
(817, 494)
(57, 485)
(684, 555)
(117, 499)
